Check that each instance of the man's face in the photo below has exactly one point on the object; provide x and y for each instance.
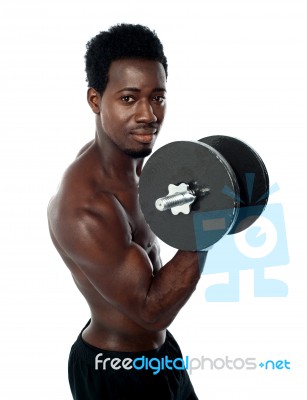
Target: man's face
(133, 105)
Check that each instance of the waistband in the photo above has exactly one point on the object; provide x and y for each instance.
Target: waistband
(88, 352)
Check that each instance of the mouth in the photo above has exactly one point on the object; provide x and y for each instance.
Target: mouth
(145, 136)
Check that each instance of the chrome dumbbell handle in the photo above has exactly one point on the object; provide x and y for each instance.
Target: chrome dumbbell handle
(179, 199)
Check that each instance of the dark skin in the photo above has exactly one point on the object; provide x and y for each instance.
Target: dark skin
(99, 230)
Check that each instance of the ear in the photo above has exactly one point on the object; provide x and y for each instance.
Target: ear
(94, 99)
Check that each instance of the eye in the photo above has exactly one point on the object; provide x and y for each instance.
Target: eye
(159, 99)
(127, 99)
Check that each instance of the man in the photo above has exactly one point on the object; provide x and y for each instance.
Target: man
(98, 228)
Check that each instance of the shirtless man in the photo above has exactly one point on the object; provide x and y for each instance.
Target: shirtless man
(98, 228)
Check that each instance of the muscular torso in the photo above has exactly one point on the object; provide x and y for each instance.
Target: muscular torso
(84, 185)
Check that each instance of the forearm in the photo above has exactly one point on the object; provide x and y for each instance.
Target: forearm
(171, 288)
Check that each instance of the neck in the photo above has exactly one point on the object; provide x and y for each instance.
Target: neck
(115, 163)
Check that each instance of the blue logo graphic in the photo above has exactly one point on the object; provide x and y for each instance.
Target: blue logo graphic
(262, 245)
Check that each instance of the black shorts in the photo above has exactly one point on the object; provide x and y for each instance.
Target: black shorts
(149, 375)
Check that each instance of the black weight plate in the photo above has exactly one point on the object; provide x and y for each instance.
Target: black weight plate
(211, 217)
(251, 175)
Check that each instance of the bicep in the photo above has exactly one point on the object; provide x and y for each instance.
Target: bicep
(101, 246)
(155, 257)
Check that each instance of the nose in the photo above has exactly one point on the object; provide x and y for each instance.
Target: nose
(145, 112)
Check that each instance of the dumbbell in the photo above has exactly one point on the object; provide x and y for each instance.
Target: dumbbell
(192, 193)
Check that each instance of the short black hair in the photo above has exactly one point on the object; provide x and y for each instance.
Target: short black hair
(119, 42)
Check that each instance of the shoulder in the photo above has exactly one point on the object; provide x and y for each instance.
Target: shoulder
(90, 233)
(80, 212)
(86, 147)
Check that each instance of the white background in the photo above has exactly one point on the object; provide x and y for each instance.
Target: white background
(236, 68)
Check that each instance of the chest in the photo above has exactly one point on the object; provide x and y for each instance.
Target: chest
(141, 233)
